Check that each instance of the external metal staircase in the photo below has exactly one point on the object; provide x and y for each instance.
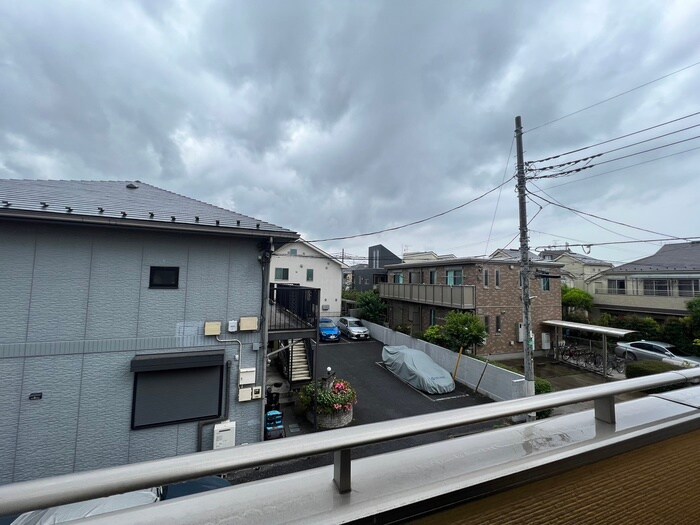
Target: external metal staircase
(300, 369)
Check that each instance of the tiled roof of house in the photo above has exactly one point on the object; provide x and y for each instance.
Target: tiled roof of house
(585, 259)
(132, 202)
(679, 257)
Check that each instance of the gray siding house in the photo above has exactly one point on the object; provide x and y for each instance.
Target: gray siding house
(106, 288)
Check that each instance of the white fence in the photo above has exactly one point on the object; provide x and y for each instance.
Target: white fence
(494, 382)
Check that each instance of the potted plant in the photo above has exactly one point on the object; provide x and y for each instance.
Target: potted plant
(334, 399)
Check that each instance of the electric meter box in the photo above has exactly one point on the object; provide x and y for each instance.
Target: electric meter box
(225, 434)
(233, 326)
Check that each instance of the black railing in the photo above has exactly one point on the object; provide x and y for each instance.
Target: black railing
(293, 307)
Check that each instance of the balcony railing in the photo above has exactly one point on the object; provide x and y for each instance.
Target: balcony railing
(293, 307)
(47, 492)
(461, 297)
(685, 294)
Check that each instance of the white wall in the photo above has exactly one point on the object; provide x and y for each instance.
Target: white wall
(328, 275)
(494, 382)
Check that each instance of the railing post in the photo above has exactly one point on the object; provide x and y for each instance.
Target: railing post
(341, 470)
(605, 409)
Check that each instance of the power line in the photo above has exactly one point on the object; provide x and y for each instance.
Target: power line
(611, 98)
(624, 167)
(616, 138)
(608, 220)
(498, 200)
(590, 244)
(583, 217)
(569, 172)
(414, 222)
(569, 163)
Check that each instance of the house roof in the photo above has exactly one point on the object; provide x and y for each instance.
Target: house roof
(127, 204)
(683, 257)
(314, 248)
(459, 261)
(585, 259)
(511, 253)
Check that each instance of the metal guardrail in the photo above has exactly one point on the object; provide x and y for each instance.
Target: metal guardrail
(47, 492)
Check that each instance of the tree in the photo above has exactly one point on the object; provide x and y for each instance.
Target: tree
(371, 306)
(575, 302)
(694, 310)
(461, 330)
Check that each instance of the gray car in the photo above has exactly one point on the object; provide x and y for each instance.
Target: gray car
(352, 327)
(655, 350)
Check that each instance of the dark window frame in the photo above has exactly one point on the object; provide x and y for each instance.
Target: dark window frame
(310, 274)
(158, 277)
(148, 368)
(284, 273)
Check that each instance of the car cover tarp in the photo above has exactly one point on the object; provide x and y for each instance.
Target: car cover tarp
(417, 369)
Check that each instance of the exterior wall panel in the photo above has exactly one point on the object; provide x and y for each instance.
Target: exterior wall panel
(16, 267)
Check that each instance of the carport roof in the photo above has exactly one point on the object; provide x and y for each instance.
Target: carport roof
(594, 329)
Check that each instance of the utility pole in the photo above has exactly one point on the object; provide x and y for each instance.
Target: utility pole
(528, 343)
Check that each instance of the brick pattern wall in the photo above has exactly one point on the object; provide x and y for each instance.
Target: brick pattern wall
(77, 309)
(499, 303)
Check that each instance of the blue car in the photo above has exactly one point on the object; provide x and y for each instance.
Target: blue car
(327, 330)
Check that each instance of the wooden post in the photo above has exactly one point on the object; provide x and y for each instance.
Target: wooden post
(459, 357)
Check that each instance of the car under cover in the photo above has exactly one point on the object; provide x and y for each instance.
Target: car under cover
(417, 369)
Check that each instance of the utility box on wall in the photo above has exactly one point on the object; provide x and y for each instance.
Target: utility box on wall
(224, 434)
(248, 324)
(246, 376)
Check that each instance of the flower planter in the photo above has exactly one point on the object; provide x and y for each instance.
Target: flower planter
(335, 420)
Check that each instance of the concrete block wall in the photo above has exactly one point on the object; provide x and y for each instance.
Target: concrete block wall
(493, 382)
(77, 309)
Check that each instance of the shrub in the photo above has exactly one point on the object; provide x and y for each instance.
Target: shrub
(371, 306)
(542, 386)
(433, 334)
(336, 396)
(647, 368)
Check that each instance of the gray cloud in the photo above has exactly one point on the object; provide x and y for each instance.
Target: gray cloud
(338, 118)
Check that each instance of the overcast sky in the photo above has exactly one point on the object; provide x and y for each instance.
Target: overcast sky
(339, 118)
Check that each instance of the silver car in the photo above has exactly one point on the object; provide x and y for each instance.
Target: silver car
(655, 350)
(352, 327)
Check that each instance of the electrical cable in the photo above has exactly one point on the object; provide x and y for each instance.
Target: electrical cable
(608, 220)
(498, 200)
(569, 172)
(616, 138)
(611, 98)
(585, 218)
(556, 166)
(623, 168)
(414, 222)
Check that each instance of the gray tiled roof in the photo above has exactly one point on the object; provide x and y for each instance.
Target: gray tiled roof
(679, 257)
(585, 258)
(122, 200)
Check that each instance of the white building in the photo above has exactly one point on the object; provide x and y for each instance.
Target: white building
(307, 265)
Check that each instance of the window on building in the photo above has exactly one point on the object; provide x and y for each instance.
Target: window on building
(398, 278)
(616, 286)
(454, 277)
(656, 287)
(309, 274)
(498, 324)
(413, 277)
(498, 278)
(282, 274)
(487, 324)
(433, 317)
(176, 387)
(689, 287)
(486, 277)
(433, 276)
(546, 284)
(164, 277)
(292, 251)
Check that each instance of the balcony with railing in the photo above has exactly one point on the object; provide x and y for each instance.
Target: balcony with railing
(294, 312)
(591, 466)
(461, 297)
(651, 299)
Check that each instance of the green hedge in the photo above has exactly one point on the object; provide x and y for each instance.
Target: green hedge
(647, 368)
(542, 386)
